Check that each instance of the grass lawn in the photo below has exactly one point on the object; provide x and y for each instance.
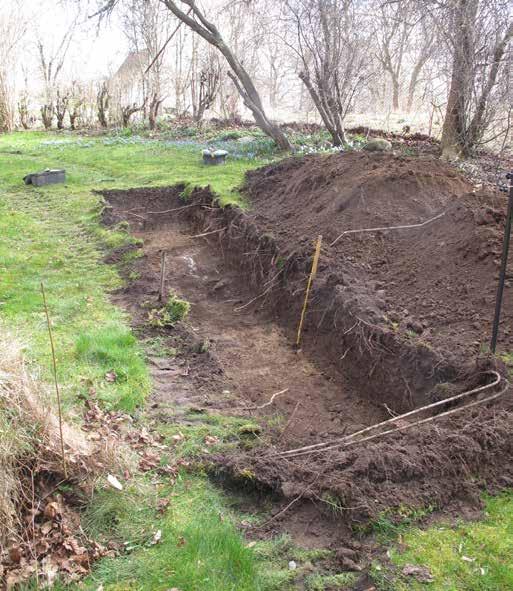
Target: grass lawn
(53, 235)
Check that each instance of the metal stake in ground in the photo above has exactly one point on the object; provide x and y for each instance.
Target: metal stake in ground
(504, 264)
(59, 406)
(315, 263)
(162, 276)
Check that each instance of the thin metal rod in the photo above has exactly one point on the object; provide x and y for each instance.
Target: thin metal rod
(504, 264)
(162, 287)
(59, 406)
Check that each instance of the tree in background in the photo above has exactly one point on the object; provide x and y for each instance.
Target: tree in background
(12, 31)
(76, 104)
(51, 62)
(205, 84)
(103, 104)
(147, 26)
(477, 33)
(331, 46)
(404, 45)
(196, 20)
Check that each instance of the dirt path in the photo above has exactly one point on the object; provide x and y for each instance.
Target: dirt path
(249, 357)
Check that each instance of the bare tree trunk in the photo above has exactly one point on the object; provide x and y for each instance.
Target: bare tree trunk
(414, 78)
(5, 108)
(23, 111)
(155, 104)
(102, 103)
(476, 127)
(47, 112)
(395, 94)
(128, 111)
(61, 108)
(335, 128)
(453, 132)
(238, 74)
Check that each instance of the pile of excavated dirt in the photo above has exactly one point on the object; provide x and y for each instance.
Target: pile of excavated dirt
(397, 319)
(432, 285)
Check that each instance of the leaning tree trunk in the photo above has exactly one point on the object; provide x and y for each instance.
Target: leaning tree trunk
(334, 127)
(477, 125)
(242, 80)
(128, 111)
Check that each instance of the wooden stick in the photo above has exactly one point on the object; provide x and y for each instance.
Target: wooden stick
(59, 406)
(271, 400)
(171, 210)
(208, 233)
(162, 276)
(313, 272)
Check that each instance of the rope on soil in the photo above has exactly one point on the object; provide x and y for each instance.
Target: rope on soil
(385, 228)
(352, 438)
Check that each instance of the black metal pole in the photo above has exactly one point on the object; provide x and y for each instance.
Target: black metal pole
(504, 263)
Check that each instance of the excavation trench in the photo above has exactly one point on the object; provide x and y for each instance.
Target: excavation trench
(236, 349)
(248, 355)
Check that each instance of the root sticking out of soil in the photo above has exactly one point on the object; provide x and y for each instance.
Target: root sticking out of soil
(397, 320)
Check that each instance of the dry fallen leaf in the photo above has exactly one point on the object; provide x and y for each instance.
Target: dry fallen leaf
(111, 376)
(52, 510)
(421, 573)
(15, 554)
(162, 505)
(114, 482)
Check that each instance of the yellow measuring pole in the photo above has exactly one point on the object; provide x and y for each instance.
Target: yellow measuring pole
(315, 263)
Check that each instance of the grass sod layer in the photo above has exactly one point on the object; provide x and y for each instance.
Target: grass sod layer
(53, 234)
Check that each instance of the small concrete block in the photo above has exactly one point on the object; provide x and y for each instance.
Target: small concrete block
(216, 157)
(45, 177)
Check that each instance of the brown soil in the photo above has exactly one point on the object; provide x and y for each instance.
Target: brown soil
(433, 285)
(396, 320)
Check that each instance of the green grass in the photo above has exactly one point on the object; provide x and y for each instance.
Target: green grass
(54, 235)
(473, 556)
(209, 433)
(201, 548)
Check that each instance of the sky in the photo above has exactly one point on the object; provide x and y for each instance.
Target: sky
(95, 51)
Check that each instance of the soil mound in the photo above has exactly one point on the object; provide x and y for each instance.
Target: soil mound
(245, 274)
(435, 284)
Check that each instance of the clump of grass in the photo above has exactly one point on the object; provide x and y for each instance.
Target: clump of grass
(175, 310)
(187, 191)
(30, 440)
(388, 525)
(127, 516)
(209, 433)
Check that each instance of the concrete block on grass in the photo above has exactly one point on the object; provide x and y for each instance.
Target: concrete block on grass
(214, 157)
(46, 177)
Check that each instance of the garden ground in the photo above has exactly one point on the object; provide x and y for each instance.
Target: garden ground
(54, 235)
